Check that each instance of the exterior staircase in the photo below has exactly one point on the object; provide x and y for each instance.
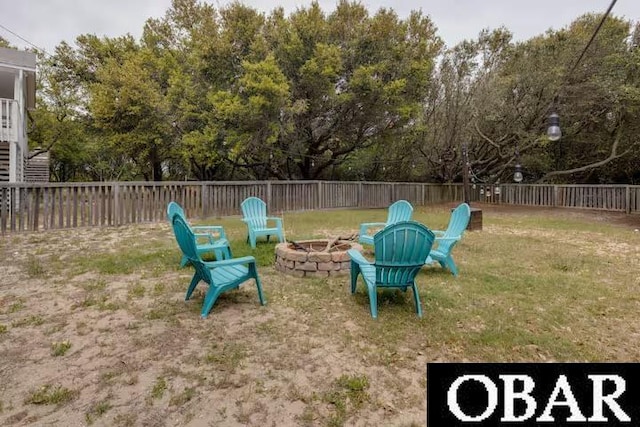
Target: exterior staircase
(4, 161)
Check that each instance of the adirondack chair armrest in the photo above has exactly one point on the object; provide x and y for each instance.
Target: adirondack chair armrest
(210, 228)
(206, 236)
(447, 239)
(277, 220)
(358, 258)
(228, 262)
(365, 226)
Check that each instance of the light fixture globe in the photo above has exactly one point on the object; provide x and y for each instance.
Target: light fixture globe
(517, 175)
(553, 131)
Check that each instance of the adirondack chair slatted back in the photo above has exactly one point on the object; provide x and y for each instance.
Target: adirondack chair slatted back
(399, 211)
(254, 211)
(174, 208)
(187, 242)
(400, 251)
(458, 221)
(457, 225)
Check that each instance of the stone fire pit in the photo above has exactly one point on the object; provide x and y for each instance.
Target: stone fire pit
(316, 258)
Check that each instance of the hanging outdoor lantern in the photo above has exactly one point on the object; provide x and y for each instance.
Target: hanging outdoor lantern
(517, 175)
(553, 131)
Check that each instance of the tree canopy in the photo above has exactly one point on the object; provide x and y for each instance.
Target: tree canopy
(231, 93)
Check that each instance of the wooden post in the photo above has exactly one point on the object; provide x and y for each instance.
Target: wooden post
(465, 174)
(319, 195)
(22, 196)
(36, 210)
(4, 208)
(204, 200)
(268, 196)
(627, 199)
(117, 219)
(12, 209)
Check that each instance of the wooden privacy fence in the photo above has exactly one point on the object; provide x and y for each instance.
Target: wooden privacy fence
(42, 206)
(615, 198)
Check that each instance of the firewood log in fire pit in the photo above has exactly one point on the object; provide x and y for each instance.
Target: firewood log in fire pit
(338, 243)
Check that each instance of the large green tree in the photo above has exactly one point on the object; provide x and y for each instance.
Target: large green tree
(232, 93)
(356, 81)
(538, 77)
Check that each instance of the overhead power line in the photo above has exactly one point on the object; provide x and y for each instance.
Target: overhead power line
(25, 40)
(593, 36)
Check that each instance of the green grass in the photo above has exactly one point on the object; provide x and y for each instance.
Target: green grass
(137, 291)
(101, 301)
(97, 285)
(263, 253)
(226, 356)
(96, 411)
(159, 388)
(182, 398)
(347, 395)
(534, 285)
(492, 311)
(16, 306)
(60, 348)
(51, 395)
(127, 261)
(33, 320)
(126, 420)
(34, 268)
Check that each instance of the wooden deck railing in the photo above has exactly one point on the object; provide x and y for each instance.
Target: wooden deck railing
(42, 206)
(9, 120)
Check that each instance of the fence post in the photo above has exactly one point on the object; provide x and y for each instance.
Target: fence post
(555, 195)
(13, 208)
(359, 194)
(204, 200)
(268, 193)
(422, 195)
(116, 203)
(627, 199)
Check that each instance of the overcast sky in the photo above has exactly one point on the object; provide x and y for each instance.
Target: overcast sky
(46, 23)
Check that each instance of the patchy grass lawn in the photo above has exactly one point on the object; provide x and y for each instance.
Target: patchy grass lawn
(94, 328)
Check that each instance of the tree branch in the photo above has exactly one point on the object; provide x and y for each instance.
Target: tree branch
(486, 138)
(612, 156)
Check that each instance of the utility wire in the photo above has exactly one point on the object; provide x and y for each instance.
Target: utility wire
(593, 36)
(25, 40)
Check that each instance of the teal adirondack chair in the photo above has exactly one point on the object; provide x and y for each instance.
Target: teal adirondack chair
(400, 250)
(254, 212)
(446, 240)
(209, 243)
(399, 211)
(221, 276)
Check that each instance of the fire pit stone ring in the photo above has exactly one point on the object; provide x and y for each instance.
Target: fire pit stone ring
(316, 258)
